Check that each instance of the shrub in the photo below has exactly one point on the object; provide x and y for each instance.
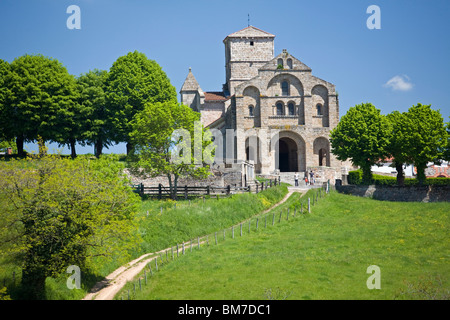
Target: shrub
(355, 177)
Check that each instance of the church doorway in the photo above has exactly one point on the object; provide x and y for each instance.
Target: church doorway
(287, 155)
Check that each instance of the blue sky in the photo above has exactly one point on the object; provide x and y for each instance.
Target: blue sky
(405, 62)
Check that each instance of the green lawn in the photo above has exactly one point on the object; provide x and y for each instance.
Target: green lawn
(322, 255)
(178, 222)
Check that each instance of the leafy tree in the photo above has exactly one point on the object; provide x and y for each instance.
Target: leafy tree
(96, 126)
(61, 212)
(38, 99)
(133, 81)
(361, 136)
(446, 152)
(397, 148)
(169, 139)
(425, 137)
(4, 70)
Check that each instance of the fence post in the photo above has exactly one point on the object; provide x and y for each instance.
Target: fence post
(160, 191)
(156, 263)
(309, 205)
(249, 223)
(249, 189)
(279, 220)
(273, 219)
(207, 190)
(186, 194)
(183, 247)
(256, 187)
(257, 220)
(142, 189)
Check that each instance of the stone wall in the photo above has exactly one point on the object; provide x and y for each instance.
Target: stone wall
(396, 193)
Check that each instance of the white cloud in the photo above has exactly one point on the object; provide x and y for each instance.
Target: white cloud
(399, 83)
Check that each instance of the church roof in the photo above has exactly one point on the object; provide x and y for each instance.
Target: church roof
(250, 32)
(190, 84)
(215, 96)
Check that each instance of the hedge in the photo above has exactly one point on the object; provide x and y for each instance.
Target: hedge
(355, 177)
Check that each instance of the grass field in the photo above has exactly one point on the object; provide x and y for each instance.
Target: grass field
(322, 255)
(179, 221)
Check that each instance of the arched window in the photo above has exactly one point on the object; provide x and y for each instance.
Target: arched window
(319, 109)
(291, 109)
(280, 109)
(284, 88)
(289, 63)
(251, 110)
(280, 64)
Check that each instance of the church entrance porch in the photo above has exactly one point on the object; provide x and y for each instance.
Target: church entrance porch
(287, 161)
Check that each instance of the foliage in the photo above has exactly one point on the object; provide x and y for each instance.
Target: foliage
(396, 147)
(38, 99)
(424, 137)
(361, 136)
(97, 128)
(60, 212)
(157, 145)
(133, 81)
(355, 177)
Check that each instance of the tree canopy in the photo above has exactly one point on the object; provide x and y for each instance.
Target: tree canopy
(133, 81)
(169, 139)
(361, 136)
(424, 137)
(60, 212)
(39, 98)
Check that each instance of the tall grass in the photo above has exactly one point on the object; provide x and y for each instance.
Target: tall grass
(322, 255)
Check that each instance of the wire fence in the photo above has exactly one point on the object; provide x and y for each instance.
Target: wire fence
(251, 225)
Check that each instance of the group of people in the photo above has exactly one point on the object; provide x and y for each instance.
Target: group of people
(309, 181)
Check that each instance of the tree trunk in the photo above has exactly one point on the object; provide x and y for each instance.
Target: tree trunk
(72, 149)
(421, 172)
(366, 174)
(19, 144)
(129, 148)
(98, 148)
(400, 174)
(33, 285)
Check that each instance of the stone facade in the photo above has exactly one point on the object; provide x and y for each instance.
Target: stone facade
(278, 114)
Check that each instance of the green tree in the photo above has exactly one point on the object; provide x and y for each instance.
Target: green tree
(397, 148)
(169, 139)
(61, 212)
(133, 81)
(38, 99)
(425, 137)
(361, 136)
(446, 152)
(96, 126)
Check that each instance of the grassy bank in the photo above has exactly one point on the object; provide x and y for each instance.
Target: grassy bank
(178, 222)
(322, 255)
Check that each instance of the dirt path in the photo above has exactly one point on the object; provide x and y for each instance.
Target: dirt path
(111, 285)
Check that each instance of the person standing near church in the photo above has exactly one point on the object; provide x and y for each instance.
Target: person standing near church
(296, 179)
(311, 177)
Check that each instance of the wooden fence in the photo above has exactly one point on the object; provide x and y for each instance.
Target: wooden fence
(186, 192)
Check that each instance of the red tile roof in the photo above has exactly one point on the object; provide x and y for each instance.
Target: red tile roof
(215, 96)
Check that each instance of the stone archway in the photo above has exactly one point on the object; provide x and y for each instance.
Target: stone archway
(288, 152)
(287, 155)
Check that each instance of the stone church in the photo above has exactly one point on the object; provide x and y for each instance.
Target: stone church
(272, 117)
